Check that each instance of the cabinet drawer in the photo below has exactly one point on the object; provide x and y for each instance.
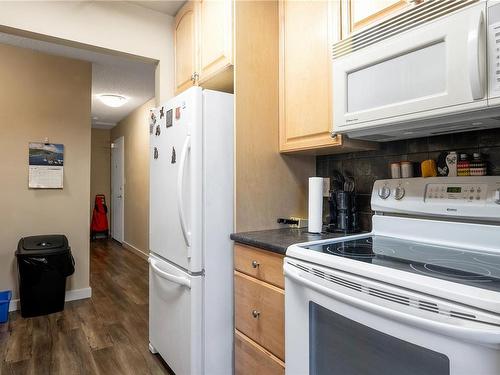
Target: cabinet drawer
(259, 312)
(252, 359)
(261, 264)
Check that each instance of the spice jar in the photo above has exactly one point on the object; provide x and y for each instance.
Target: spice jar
(463, 165)
(477, 165)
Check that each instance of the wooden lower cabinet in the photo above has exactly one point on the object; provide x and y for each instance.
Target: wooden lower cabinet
(259, 311)
(260, 264)
(252, 359)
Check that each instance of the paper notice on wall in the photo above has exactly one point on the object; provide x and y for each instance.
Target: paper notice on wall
(46, 165)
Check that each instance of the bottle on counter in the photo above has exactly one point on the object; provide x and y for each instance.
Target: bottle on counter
(451, 163)
(463, 166)
(477, 165)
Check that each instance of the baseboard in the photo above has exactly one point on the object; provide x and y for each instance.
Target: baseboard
(135, 250)
(71, 295)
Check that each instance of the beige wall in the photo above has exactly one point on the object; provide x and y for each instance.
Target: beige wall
(100, 165)
(268, 185)
(44, 96)
(135, 130)
(111, 25)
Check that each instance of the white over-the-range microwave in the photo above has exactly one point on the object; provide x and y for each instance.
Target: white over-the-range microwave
(433, 69)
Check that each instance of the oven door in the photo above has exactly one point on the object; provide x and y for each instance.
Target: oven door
(337, 323)
(431, 70)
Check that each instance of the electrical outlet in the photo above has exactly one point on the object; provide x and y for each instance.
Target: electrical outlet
(326, 187)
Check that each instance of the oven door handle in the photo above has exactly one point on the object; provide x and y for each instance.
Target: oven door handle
(489, 335)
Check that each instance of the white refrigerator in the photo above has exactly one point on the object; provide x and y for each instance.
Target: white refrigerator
(191, 218)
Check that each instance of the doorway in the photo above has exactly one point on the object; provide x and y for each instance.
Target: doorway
(117, 189)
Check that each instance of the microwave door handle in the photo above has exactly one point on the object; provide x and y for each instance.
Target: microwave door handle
(167, 276)
(180, 193)
(475, 40)
(488, 336)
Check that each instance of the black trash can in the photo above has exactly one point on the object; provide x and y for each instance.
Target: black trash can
(43, 262)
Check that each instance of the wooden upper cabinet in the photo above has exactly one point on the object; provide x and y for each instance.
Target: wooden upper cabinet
(305, 93)
(358, 14)
(204, 45)
(307, 31)
(216, 37)
(185, 47)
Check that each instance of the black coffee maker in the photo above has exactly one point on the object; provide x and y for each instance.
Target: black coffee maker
(343, 216)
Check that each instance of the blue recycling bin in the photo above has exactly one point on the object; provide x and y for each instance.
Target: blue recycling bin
(5, 297)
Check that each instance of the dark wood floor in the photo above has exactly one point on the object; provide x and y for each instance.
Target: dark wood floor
(107, 334)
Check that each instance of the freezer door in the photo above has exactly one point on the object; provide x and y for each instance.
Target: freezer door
(175, 182)
(175, 304)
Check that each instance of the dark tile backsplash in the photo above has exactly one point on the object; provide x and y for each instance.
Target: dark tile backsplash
(368, 166)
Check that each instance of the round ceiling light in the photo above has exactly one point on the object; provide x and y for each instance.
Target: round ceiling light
(113, 100)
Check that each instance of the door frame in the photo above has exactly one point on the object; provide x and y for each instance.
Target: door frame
(118, 142)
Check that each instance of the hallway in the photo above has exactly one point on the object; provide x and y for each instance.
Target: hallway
(107, 334)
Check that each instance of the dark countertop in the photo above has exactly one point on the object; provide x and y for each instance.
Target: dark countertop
(278, 240)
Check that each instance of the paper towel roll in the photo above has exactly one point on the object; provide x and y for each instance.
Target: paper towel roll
(315, 204)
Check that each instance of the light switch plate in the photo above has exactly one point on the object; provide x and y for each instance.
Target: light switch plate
(326, 187)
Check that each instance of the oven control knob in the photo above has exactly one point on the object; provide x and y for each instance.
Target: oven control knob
(384, 192)
(399, 193)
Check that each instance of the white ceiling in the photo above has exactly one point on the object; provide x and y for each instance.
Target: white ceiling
(168, 7)
(111, 74)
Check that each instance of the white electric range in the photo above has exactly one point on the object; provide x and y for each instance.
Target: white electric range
(420, 294)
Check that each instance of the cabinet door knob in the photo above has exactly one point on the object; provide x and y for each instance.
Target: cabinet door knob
(255, 264)
(255, 314)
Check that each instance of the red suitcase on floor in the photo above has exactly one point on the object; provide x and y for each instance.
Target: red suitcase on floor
(99, 217)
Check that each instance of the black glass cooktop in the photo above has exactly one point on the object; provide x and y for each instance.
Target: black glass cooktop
(477, 269)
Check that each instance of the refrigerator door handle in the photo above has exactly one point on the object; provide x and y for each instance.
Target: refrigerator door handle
(167, 276)
(180, 195)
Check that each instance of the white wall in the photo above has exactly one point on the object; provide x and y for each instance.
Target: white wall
(112, 25)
